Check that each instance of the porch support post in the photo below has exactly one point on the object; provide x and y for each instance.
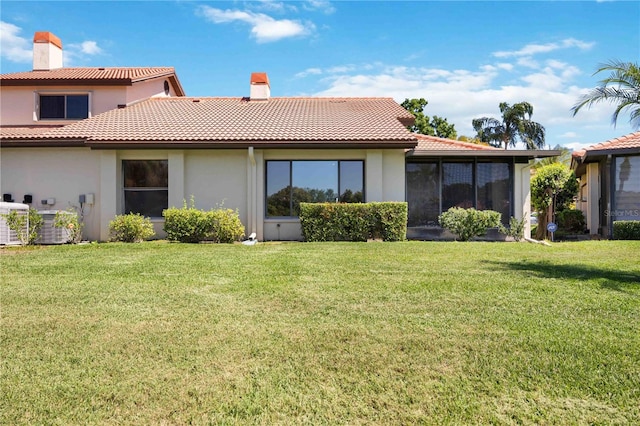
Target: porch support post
(109, 184)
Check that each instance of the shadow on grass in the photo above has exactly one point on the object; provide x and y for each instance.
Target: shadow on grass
(608, 278)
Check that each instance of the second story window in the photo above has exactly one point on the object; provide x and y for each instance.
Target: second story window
(64, 107)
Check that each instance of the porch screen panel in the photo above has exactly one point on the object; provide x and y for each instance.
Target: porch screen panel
(423, 194)
(457, 185)
(278, 188)
(627, 188)
(494, 188)
(146, 186)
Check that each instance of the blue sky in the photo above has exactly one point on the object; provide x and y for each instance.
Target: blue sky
(463, 57)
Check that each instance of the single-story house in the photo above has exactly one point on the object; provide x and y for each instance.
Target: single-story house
(609, 174)
(108, 141)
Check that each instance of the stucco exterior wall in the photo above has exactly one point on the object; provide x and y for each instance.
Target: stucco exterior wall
(216, 178)
(230, 178)
(589, 197)
(522, 195)
(62, 174)
(18, 106)
(147, 89)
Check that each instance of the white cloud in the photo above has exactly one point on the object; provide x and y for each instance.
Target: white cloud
(264, 28)
(534, 48)
(309, 71)
(569, 135)
(462, 95)
(322, 5)
(12, 46)
(90, 48)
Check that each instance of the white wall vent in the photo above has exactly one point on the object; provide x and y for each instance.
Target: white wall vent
(7, 236)
(49, 234)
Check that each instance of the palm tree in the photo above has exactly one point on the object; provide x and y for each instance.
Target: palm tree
(516, 125)
(622, 88)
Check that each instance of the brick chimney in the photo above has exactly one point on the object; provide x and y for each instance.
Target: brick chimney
(47, 51)
(260, 89)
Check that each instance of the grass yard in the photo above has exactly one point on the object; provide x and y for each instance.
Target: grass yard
(327, 333)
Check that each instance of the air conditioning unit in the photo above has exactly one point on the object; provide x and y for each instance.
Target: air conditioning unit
(48, 233)
(7, 236)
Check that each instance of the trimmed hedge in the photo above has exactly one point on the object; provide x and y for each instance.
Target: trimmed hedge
(354, 221)
(626, 229)
(191, 225)
(469, 223)
(571, 221)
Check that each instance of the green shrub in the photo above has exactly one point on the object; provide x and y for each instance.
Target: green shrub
(389, 220)
(626, 229)
(335, 222)
(130, 228)
(516, 228)
(469, 223)
(68, 220)
(18, 223)
(186, 225)
(191, 225)
(353, 221)
(226, 226)
(571, 221)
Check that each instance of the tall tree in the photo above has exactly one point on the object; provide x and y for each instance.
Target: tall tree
(425, 125)
(621, 88)
(516, 125)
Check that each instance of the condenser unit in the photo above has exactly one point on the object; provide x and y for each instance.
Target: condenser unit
(7, 236)
(48, 233)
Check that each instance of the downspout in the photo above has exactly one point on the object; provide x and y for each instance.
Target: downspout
(253, 204)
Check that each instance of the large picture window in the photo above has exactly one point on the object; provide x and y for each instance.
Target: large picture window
(64, 107)
(290, 183)
(146, 184)
(435, 186)
(627, 188)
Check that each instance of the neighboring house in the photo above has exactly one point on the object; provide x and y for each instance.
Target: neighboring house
(444, 173)
(609, 174)
(112, 141)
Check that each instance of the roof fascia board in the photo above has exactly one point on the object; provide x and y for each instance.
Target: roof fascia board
(533, 153)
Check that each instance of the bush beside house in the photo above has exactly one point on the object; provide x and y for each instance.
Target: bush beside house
(131, 228)
(354, 222)
(626, 230)
(191, 225)
(469, 223)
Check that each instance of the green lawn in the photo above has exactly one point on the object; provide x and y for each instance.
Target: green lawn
(327, 333)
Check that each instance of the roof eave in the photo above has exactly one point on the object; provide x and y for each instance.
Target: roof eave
(243, 144)
(41, 143)
(531, 154)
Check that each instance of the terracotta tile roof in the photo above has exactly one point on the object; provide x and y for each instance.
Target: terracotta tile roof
(25, 131)
(433, 143)
(623, 143)
(90, 76)
(238, 121)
